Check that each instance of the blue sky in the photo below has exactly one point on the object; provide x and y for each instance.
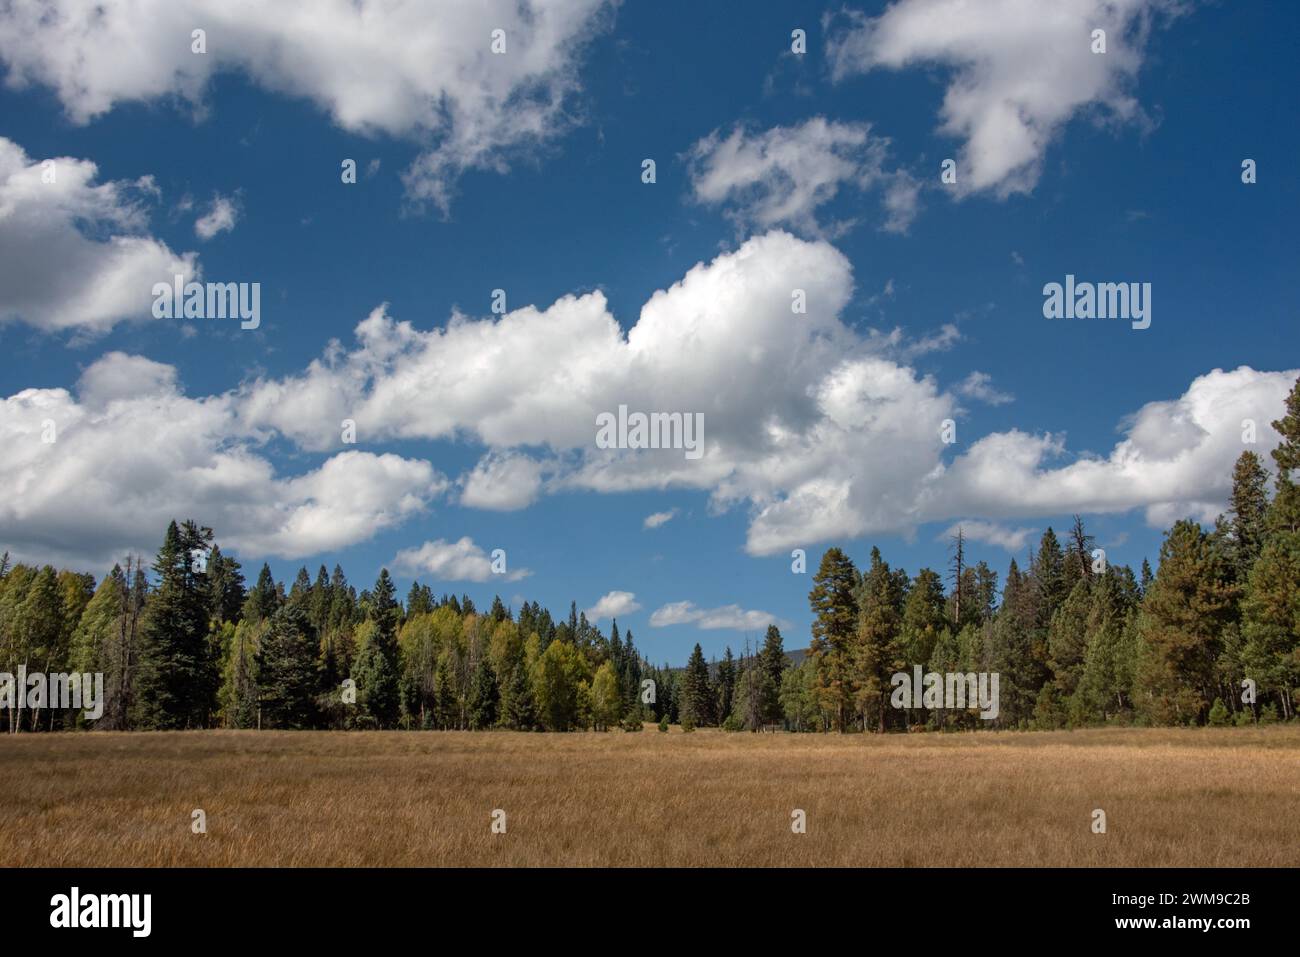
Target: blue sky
(1132, 174)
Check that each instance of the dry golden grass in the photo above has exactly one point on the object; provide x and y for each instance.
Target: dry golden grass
(1208, 797)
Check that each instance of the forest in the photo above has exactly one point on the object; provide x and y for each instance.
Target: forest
(1208, 637)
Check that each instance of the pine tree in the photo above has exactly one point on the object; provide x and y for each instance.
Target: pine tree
(1183, 617)
(286, 668)
(1078, 560)
(726, 685)
(375, 673)
(263, 600)
(1284, 515)
(1248, 512)
(179, 680)
(1271, 619)
(518, 708)
(697, 693)
(1107, 673)
(833, 630)
(227, 587)
(1067, 639)
(771, 665)
(484, 697)
(240, 696)
(1021, 674)
(879, 650)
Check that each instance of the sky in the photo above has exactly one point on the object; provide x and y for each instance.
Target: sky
(508, 169)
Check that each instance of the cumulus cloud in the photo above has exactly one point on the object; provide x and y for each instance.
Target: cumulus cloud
(781, 177)
(220, 218)
(502, 482)
(729, 617)
(1175, 459)
(612, 604)
(1021, 69)
(818, 431)
(422, 70)
(991, 533)
(131, 452)
(659, 518)
(458, 561)
(979, 386)
(74, 254)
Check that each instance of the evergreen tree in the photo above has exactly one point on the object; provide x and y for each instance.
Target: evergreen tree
(179, 676)
(1183, 617)
(834, 626)
(375, 673)
(263, 599)
(240, 695)
(771, 667)
(227, 587)
(484, 697)
(726, 685)
(286, 667)
(1284, 514)
(697, 693)
(879, 650)
(1271, 619)
(1248, 512)
(519, 712)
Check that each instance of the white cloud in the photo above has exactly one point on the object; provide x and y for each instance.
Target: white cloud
(460, 561)
(782, 176)
(1021, 70)
(612, 604)
(659, 518)
(220, 218)
(991, 533)
(1175, 459)
(821, 433)
(74, 255)
(502, 482)
(729, 617)
(979, 385)
(131, 452)
(423, 70)
(818, 432)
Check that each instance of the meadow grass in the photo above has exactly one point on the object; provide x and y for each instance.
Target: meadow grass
(1187, 797)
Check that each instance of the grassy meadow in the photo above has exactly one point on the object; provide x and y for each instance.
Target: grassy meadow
(1191, 797)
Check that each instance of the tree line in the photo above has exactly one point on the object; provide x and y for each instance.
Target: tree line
(1209, 637)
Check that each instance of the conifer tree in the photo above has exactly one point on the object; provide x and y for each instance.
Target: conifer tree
(1248, 512)
(879, 649)
(484, 697)
(1183, 617)
(697, 693)
(771, 666)
(286, 668)
(726, 685)
(1284, 515)
(179, 676)
(834, 626)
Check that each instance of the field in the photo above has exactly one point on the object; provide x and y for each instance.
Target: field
(1201, 797)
